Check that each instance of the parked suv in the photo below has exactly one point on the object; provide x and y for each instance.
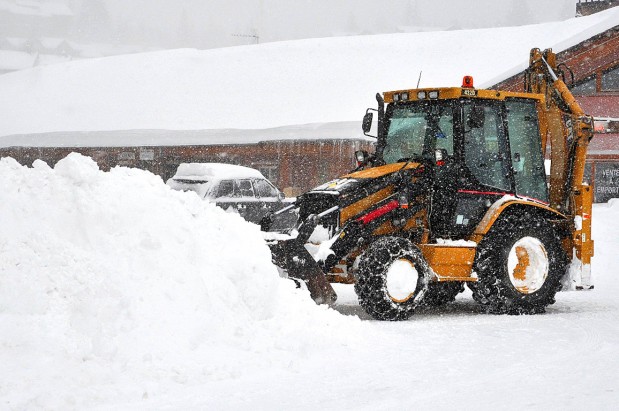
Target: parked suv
(233, 188)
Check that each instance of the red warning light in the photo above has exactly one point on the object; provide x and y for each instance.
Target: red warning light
(467, 82)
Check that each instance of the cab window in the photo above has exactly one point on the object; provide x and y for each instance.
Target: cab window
(526, 151)
(417, 129)
(484, 144)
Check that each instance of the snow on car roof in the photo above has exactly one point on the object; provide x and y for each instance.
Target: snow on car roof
(215, 171)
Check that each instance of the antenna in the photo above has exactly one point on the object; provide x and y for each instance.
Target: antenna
(419, 79)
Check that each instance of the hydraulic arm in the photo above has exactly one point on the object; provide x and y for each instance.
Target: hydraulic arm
(569, 130)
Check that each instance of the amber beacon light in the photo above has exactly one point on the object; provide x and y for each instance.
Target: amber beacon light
(467, 82)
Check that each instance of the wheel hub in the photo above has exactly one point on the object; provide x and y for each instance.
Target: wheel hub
(528, 265)
(402, 277)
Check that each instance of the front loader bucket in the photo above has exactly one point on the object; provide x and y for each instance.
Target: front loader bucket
(292, 256)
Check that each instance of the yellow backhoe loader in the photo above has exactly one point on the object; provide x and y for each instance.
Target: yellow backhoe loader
(455, 193)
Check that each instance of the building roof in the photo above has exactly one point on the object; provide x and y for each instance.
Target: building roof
(144, 138)
(36, 8)
(266, 86)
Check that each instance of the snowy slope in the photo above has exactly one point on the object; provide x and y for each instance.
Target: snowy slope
(119, 293)
(269, 85)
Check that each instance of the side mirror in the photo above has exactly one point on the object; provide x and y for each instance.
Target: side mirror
(367, 122)
(476, 118)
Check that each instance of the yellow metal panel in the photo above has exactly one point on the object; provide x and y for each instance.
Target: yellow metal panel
(450, 263)
(583, 243)
(363, 204)
(495, 211)
(376, 172)
(543, 124)
(457, 92)
(384, 229)
(558, 157)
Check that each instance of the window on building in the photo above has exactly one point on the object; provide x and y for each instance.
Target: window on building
(610, 79)
(585, 87)
(269, 170)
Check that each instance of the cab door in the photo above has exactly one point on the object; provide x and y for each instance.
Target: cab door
(484, 174)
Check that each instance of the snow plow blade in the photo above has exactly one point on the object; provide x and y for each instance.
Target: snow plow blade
(297, 261)
(292, 256)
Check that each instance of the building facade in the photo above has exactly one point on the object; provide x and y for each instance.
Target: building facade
(588, 7)
(294, 166)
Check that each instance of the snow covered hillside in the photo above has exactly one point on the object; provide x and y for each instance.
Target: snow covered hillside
(269, 85)
(117, 292)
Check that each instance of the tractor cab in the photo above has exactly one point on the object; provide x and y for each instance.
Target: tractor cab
(482, 145)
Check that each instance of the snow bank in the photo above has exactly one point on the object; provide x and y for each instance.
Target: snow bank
(115, 287)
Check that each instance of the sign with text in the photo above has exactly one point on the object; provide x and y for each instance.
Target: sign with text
(606, 181)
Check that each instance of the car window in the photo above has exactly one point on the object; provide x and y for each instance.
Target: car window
(226, 189)
(264, 189)
(243, 188)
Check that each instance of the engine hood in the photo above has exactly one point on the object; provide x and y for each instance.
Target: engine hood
(353, 181)
(355, 192)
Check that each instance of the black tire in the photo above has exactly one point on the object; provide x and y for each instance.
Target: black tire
(442, 293)
(373, 273)
(502, 291)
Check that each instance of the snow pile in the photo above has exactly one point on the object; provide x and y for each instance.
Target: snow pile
(113, 286)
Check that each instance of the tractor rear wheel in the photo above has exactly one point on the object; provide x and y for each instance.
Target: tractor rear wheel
(519, 265)
(392, 279)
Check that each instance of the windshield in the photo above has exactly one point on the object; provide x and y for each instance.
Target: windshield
(417, 129)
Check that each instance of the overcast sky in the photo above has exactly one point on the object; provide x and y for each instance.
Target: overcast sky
(218, 23)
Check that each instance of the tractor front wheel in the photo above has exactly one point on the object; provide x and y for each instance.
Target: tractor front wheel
(392, 279)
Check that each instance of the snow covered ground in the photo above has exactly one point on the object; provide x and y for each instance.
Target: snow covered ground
(117, 292)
